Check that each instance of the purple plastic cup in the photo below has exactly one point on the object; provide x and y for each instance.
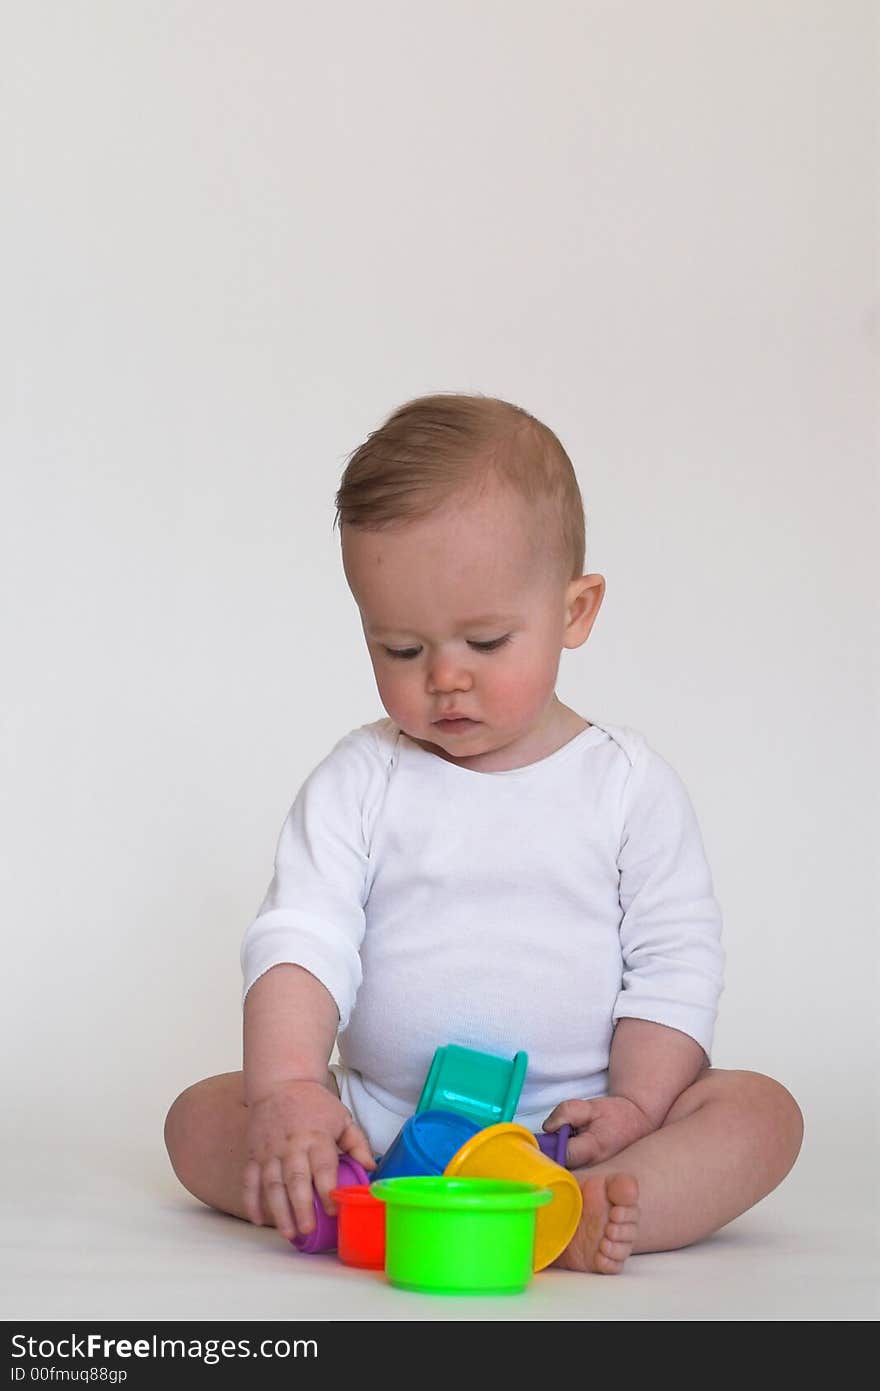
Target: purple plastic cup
(322, 1237)
(554, 1143)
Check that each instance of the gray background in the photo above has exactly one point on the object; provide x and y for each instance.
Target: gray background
(235, 237)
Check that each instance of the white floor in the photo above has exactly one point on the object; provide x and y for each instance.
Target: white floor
(102, 1232)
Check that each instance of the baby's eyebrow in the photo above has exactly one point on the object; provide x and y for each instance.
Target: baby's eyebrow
(467, 623)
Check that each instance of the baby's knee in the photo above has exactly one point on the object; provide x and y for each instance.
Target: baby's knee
(791, 1118)
(179, 1125)
(781, 1117)
(193, 1114)
(779, 1100)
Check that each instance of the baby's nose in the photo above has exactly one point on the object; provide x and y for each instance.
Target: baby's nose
(447, 673)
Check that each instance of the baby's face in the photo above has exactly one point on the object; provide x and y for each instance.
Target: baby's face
(464, 616)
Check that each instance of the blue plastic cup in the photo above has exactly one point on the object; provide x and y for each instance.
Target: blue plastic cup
(425, 1144)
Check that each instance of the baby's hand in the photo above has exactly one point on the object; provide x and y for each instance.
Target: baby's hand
(600, 1128)
(293, 1136)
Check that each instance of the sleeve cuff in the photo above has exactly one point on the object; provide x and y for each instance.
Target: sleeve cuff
(698, 1024)
(279, 946)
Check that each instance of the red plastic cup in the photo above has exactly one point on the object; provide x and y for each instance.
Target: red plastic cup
(361, 1231)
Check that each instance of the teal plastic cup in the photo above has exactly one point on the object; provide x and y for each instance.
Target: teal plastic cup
(481, 1086)
(459, 1236)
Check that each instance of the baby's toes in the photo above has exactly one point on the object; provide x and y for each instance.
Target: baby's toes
(615, 1250)
(622, 1190)
(604, 1264)
(624, 1214)
(622, 1231)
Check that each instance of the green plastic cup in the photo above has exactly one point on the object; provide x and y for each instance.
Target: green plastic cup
(459, 1236)
(481, 1086)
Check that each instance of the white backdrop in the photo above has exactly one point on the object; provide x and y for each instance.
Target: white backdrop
(235, 236)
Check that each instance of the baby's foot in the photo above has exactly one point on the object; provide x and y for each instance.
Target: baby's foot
(608, 1227)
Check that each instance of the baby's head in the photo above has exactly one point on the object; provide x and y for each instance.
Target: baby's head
(462, 532)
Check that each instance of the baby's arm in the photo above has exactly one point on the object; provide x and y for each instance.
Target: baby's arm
(313, 915)
(650, 1066)
(670, 937)
(295, 1122)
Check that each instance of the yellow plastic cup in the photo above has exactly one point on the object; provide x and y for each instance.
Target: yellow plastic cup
(509, 1151)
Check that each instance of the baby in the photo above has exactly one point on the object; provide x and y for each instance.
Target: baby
(488, 868)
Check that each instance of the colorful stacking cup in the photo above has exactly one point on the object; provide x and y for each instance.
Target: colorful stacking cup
(323, 1235)
(425, 1144)
(481, 1086)
(361, 1227)
(459, 1236)
(554, 1143)
(511, 1152)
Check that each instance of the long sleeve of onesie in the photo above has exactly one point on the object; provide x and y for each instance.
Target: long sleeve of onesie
(673, 960)
(313, 912)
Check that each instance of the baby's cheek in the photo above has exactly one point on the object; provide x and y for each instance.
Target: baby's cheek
(521, 694)
(402, 699)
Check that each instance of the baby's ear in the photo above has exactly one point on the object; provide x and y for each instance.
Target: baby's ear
(582, 603)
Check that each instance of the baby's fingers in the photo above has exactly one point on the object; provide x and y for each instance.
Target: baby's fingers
(325, 1172)
(574, 1113)
(251, 1179)
(353, 1141)
(582, 1149)
(275, 1198)
(297, 1176)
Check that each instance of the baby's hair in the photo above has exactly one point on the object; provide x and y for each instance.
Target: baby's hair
(448, 446)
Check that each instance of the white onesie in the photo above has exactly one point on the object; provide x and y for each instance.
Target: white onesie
(520, 910)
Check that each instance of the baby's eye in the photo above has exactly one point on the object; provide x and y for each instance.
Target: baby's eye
(407, 653)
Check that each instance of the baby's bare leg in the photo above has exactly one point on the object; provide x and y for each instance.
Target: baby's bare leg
(205, 1132)
(728, 1141)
